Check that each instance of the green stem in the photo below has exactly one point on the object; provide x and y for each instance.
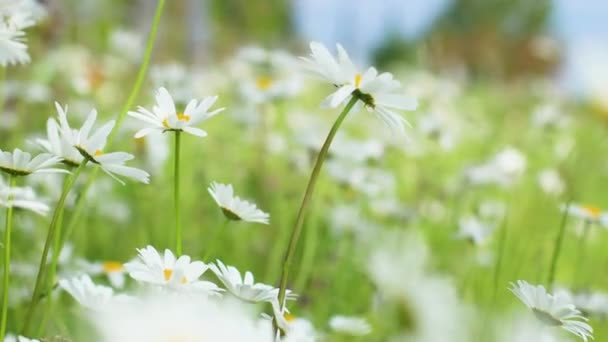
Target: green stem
(581, 252)
(47, 244)
(558, 246)
(501, 251)
(215, 240)
(176, 178)
(311, 238)
(7, 258)
(143, 69)
(297, 229)
(2, 93)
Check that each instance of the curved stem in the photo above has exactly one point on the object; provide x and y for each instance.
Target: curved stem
(47, 244)
(143, 69)
(215, 240)
(178, 218)
(558, 246)
(7, 259)
(297, 229)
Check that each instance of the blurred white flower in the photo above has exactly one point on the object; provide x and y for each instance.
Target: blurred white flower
(521, 329)
(87, 293)
(170, 272)
(473, 229)
(354, 326)
(115, 271)
(552, 310)
(551, 182)
(503, 169)
(379, 92)
(233, 207)
(164, 116)
(586, 212)
(12, 46)
(12, 338)
(19, 163)
(169, 317)
(21, 197)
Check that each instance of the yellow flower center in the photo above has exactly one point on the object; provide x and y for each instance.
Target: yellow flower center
(264, 82)
(289, 317)
(167, 273)
(180, 117)
(183, 117)
(112, 266)
(594, 212)
(358, 80)
(184, 280)
(98, 153)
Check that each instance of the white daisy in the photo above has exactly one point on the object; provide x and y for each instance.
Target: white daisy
(91, 144)
(58, 143)
(354, 326)
(473, 229)
(379, 92)
(589, 213)
(12, 338)
(21, 197)
(244, 287)
(19, 163)
(552, 310)
(233, 207)
(115, 271)
(164, 117)
(87, 293)
(13, 49)
(168, 271)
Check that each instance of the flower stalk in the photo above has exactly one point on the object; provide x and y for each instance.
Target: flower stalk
(297, 229)
(7, 260)
(176, 184)
(42, 268)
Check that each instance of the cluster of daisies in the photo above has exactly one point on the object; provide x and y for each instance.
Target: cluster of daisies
(174, 297)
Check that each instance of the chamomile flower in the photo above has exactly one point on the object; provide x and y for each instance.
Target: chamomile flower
(473, 229)
(379, 92)
(12, 338)
(19, 163)
(164, 116)
(586, 212)
(233, 207)
(354, 326)
(58, 143)
(21, 197)
(244, 287)
(552, 310)
(13, 49)
(169, 271)
(87, 293)
(115, 271)
(91, 143)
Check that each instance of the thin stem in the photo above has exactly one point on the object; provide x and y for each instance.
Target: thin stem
(502, 242)
(7, 258)
(2, 93)
(215, 240)
(47, 244)
(558, 246)
(297, 229)
(178, 218)
(143, 69)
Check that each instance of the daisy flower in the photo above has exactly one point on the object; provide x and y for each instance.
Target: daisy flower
(473, 229)
(87, 293)
(354, 326)
(21, 197)
(91, 143)
(13, 49)
(244, 287)
(552, 310)
(60, 138)
(379, 92)
(115, 271)
(586, 212)
(164, 117)
(233, 207)
(169, 271)
(19, 163)
(12, 338)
